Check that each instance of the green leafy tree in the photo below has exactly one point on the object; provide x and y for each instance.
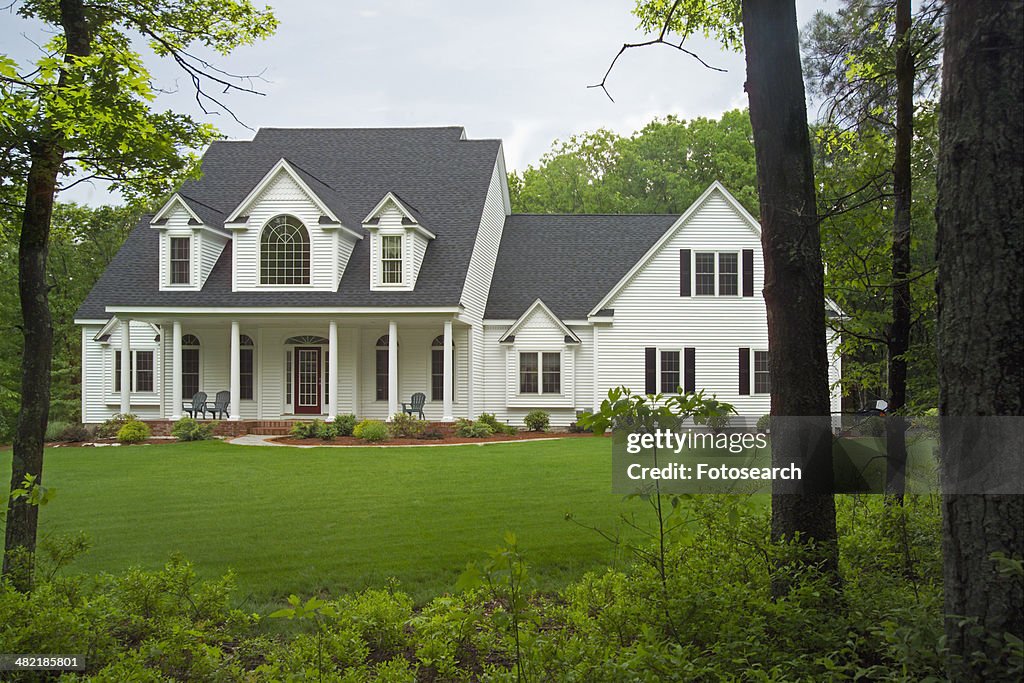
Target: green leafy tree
(661, 168)
(84, 108)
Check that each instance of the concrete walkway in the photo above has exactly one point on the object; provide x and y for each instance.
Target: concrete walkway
(265, 440)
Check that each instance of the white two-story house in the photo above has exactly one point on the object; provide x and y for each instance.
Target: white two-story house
(313, 272)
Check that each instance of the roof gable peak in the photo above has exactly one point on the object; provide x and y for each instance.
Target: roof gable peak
(282, 166)
(538, 304)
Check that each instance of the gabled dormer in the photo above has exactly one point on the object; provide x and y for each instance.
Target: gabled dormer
(189, 248)
(398, 243)
(288, 234)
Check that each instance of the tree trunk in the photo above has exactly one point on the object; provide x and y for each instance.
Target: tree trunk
(981, 306)
(793, 289)
(37, 329)
(899, 333)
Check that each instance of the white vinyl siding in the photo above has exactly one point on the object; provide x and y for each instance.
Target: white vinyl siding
(283, 196)
(485, 249)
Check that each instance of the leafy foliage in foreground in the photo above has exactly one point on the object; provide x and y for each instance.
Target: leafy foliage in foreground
(714, 622)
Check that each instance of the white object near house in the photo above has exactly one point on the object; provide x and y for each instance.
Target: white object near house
(316, 272)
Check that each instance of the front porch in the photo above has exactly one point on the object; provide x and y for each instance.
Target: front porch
(287, 368)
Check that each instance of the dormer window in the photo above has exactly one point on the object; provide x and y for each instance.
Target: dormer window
(284, 252)
(181, 260)
(391, 259)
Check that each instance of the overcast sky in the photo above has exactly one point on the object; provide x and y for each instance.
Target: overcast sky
(515, 70)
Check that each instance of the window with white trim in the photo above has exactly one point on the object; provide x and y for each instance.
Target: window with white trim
(437, 369)
(540, 372)
(671, 372)
(762, 374)
(189, 366)
(391, 259)
(728, 274)
(284, 252)
(181, 260)
(382, 374)
(716, 273)
(141, 373)
(246, 374)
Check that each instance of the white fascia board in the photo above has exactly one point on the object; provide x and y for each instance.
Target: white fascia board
(281, 165)
(526, 314)
(713, 187)
(319, 310)
(91, 321)
(166, 209)
(373, 227)
(338, 226)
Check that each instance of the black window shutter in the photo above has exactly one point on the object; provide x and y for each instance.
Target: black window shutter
(748, 272)
(650, 370)
(684, 272)
(745, 372)
(689, 369)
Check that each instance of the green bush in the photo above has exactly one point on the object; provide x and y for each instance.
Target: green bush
(406, 426)
(302, 430)
(716, 423)
(575, 427)
(75, 432)
(537, 420)
(53, 430)
(373, 431)
(133, 431)
(344, 424)
(111, 427)
(496, 426)
(764, 423)
(324, 430)
(190, 429)
(470, 429)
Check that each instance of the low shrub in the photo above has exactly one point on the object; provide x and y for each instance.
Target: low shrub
(324, 430)
(575, 427)
(496, 426)
(302, 430)
(344, 424)
(133, 431)
(53, 430)
(406, 426)
(763, 424)
(190, 429)
(111, 427)
(716, 423)
(472, 429)
(75, 432)
(373, 431)
(537, 420)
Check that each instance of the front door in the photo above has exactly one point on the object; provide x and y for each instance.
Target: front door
(307, 381)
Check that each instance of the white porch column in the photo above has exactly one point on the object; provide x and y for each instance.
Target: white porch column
(236, 373)
(126, 367)
(447, 414)
(470, 396)
(176, 371)
(332, 370)
(392, 368)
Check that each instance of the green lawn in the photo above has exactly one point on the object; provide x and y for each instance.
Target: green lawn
(299, 520)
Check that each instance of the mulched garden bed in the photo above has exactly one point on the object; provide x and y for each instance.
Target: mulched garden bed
(447, 440)
(107, 443)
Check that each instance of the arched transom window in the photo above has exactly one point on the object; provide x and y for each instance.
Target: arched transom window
(284, 252)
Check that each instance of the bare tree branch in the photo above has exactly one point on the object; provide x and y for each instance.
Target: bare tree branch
(660, 40)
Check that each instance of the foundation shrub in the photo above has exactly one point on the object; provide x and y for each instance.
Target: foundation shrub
(406, 426)
(344, 424)
(133, 431)
(109, 428)
(537, 420)
(190, 429)
(472, 429)
(496, 425)
(373, 431)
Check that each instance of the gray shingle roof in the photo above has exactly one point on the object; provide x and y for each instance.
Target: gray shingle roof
(568, 261)
(443, 175)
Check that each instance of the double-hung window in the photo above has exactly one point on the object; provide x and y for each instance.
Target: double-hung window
(762, 375)
(704, 273)
(391, 259)
(671, 372)
(540, 372)
(728, 274)
(181, 260)
(141, 371)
